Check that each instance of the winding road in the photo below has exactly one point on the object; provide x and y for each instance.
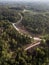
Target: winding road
(14, 24)
(35, 38)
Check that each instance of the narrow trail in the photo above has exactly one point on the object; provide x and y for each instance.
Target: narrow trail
(20, 19)
(35, 38)
(31, 46)
(14, 24)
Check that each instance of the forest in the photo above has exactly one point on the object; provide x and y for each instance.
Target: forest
(12, 42)
(36, 23)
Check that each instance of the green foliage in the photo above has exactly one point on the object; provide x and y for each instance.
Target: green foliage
(36, 23)
(8, 14)
(12, 43)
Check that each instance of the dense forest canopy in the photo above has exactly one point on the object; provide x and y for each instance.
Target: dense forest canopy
(12, 42)
(9, 14)
(36, 23)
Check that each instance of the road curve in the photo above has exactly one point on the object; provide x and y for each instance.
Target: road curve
(14, 24)
(20, 19)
